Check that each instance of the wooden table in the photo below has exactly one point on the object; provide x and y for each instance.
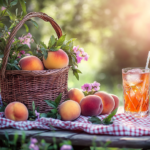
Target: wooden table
(82, 139)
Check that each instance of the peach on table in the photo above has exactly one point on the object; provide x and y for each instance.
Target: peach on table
(75, 94)
(69, 110)
(91, 105)
(16, 111)
(108, 102)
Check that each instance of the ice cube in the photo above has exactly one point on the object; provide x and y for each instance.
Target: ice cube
(133, 79)
(137, 71)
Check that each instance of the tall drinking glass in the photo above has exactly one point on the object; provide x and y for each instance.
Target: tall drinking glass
(136, 91)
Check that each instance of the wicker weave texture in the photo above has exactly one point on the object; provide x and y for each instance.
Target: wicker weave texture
(27, 86)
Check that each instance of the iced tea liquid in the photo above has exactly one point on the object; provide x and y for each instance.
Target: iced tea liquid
(136, 92)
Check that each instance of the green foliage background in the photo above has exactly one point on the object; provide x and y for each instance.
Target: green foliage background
(104, 29)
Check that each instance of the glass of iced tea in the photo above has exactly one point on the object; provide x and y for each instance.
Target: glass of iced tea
(136, 91)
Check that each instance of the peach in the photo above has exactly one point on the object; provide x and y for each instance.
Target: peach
(16, 111)
(31, 63)
(75, 94)
(69, 110)
(108, 102)
(116, 99)
(91, 105)
(56, 59)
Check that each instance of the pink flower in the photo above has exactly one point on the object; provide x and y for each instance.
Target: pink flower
(87, 87)
(29, 35)
(79, 59)
(27, 39)
(95, 86)
(81, 50)
(2, 8)
(19, 56)
(22, 52)
(33, 140)
(75, 48)
(33, 147)
(37, 114)
(66, 147)
(9, 33)
(86, 57)
(14, 53)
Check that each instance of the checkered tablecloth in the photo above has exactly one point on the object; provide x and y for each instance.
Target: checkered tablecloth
(123, 125)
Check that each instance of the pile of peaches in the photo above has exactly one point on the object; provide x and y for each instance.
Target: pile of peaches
(100, 103)
(55, 60)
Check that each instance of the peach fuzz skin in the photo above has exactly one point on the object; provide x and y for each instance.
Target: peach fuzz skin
(16, 111)
(56, 60)
(91, 105)
(69, 110)
(108, 102)
(75, 94)
(31, 63)
(116, 99)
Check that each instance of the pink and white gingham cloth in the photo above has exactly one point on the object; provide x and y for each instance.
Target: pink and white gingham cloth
(123, 125)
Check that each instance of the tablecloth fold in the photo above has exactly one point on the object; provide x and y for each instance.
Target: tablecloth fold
(123, 125)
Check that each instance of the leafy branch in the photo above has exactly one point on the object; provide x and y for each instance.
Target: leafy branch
(106, 121)
(53, 112)
(55, 44)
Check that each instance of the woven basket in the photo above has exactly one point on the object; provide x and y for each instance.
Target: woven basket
(37, 86)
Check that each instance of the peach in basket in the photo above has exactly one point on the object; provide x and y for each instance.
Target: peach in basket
(31, 63)
(56, 60)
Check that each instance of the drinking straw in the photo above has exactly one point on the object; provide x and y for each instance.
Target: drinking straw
(147, 62)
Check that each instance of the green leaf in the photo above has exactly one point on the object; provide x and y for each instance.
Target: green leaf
(76, 74)
(61, 40)
(23, 47)
(54, 111)
(7, 2)
(15, 139)
(33, 107)
(9, 14)
(6, 135)
(95, 120)
(65, 47)
(43, 115)
(58, 116)
(23, 6)
(58, 99)
(44, 52)
(34, 23)
(77, 70)
(16, 12)
(43, 44)
(51, 115)
(26, 27)
(13, 3)
(55, 48)
(51, 41)
(1, 25)
(23, 137)
(2, 3)
(12, 25)
(108, 119)
(2, 108)
(51, 103)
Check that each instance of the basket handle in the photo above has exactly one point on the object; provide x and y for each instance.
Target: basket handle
(18, 26)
